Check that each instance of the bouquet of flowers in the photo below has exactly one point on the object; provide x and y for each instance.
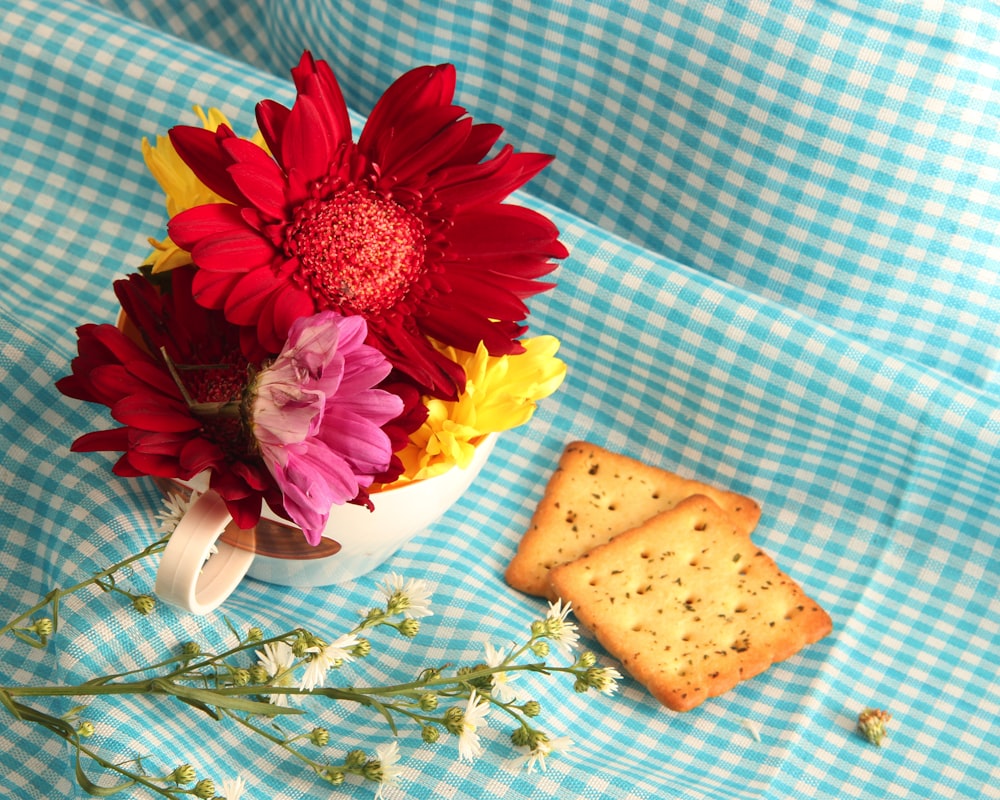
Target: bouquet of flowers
(326, 317)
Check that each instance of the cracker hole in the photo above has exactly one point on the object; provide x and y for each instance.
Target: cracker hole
(700, 526)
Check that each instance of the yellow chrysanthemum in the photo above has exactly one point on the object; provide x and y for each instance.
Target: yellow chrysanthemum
(182, 188)
(501, 392)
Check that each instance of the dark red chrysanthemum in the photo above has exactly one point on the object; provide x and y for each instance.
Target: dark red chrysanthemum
(406, 227)
(160, 436)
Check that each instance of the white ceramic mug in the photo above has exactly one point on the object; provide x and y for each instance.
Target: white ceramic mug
(207, 555)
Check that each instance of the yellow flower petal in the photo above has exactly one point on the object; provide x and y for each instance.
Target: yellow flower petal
(182, 188)
(501, 392)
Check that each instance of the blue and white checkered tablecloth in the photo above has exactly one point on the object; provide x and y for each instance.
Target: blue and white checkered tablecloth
(783, 225)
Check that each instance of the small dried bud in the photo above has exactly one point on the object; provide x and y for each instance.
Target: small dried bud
(453, 720)
(320, 737)
(241, 677)
(190, 649)
(144, 603)
(43, 627)
(255, 634)
(539, 628)
(871, 724)
(362, 648)
(258, 674)
(85, 729)
(185, 773)
(355, 759)
(430, 734)
(428, 701)
(409, 627)
(532, 708)
(204, 788)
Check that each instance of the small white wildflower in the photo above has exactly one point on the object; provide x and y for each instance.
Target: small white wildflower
(277, 659)
(604, 679)
(476, 711)
(753, 728)
(543, 748)
(323, 659)
(176, 508)
(559, 629)
(410, 596)
(232, 788)
(501, 680)
(388, 756)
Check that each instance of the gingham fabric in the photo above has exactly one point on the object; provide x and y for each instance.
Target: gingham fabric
(783, 279)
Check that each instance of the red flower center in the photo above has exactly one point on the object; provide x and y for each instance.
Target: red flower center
(358, 252)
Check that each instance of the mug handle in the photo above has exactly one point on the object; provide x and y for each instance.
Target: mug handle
(190, 576)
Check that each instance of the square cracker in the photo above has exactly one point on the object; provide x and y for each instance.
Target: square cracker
(595, 494)
(689, 605)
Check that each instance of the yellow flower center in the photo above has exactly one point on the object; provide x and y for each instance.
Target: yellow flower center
(357, 252)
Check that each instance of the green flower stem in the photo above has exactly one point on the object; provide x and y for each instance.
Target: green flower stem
(55, 596)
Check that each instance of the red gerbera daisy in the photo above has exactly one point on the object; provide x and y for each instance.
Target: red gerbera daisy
(161, 437)
(406, 227)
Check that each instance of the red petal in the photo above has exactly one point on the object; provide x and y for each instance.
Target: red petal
(407, 157)
(115, 439)
(233, 251)
(191, 226)
(504, 230)
(152, 413)
(210, 289)
(415, 91)
(481, 139)
(258, 177)
(492, 182)
(305, 145)
(199, 149)
(248, 296)
(271, 119)
(316, 79)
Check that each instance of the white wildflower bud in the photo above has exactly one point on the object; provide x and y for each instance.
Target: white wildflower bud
(587, 659)
(429, 734)
(190, 649)
(144, 603)
(362, 648)
(43, 627)
(453, 720)
(540, 648)
(355, 759)
(258, 674)
(409, 627)
(185, 773)
(241, 677)
(255, 634)
(85, 729)
(204, 788)
(532, 708)
(428, 701)
(320, 737)
(333, 775)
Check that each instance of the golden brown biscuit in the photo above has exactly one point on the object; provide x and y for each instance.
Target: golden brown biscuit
(689, 604)
(595, 494)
